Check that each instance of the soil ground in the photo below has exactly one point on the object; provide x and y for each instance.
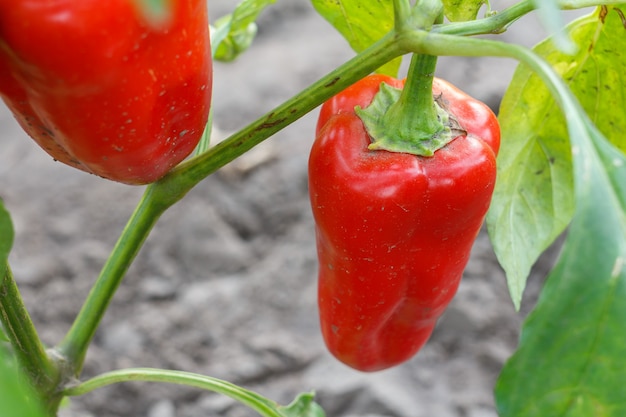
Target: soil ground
(226, 283)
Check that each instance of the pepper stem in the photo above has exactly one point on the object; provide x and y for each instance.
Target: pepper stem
(416, 112)
(410, 120)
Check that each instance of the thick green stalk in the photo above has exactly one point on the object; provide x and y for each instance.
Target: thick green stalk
(416, 112)
(496, 23)
(500, 21)
(447, 45)
(30, 352)
(402, 13)
(416, 105)
(411, 121)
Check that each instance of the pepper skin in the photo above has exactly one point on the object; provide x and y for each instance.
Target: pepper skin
(394, 230)
(102, 89)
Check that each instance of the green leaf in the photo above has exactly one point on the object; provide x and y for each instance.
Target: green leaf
(361, 23)
(570, 362)
(302, 406)
(533, 201)
(233, 34)
(462, 10)
(17, 399)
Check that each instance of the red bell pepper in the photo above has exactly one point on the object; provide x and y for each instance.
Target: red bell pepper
(394, 230)
(105, 89)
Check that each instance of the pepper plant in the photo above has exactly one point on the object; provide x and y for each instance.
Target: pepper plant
(561, 168)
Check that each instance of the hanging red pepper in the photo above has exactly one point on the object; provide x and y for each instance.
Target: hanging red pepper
(105, 89)
(394, 229)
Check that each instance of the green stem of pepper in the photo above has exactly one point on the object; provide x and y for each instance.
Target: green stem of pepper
(30, 352)
(402, 13)
(416, 106)
(495, 23)
(409, 121)
(446, 45)
(498, 22)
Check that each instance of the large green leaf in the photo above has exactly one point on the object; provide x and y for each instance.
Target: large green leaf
(570, 362)
(361, 23)
(533, 200)
(462, 10)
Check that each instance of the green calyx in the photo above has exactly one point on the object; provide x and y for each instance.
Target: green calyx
(410, 120)
(393, 129)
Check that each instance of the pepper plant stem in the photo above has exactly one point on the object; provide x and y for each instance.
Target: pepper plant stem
(28, 348)
(442, 44)
(159, 196)
(402, 13)
(498, 22)
(258, 403)
(415, 113)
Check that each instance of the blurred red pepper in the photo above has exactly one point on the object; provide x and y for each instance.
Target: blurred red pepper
(394, 230)
(105, 89)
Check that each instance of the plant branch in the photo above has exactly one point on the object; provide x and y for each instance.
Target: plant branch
(27, 347)
(500, 21)
(253, 400)
(440, 44)
(402, 12)
(409, 120)
(496, 23)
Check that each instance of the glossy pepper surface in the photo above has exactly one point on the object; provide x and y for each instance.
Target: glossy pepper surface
(105, 89)
(394, 230)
